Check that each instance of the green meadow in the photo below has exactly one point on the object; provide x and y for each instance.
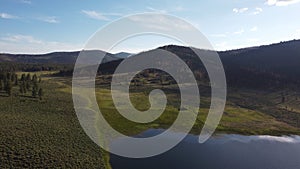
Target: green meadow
(46, 133)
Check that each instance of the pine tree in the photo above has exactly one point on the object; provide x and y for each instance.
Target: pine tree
(12, 77)
(1, 85)
(21, 89)
(8, 87)
(24, 87)
(34, 78)
(8, 76)
(34, 90)
(16, 80)
(4, 79)
(23, 78)
(40, 93)
(27, 84)
(28, 77)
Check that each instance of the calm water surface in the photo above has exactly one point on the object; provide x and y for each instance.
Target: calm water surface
(220, 152)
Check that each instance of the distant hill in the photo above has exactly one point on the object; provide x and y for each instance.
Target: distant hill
(262, 66)
(51, 58)
(276, 65)
(123, 55)
(281, 58)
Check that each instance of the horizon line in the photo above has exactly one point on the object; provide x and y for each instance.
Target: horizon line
(145, 50)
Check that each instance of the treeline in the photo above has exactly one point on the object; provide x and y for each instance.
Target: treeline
(6, 82)
(26, 83)
(32, 67)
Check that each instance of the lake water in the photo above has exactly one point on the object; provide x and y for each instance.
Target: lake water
(220, 152)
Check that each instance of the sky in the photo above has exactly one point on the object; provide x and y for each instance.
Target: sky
(40, 26)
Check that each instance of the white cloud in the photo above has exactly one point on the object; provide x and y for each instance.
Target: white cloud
(49, 19)
(98, 15)
(218, 35)
(157, 10)
(95, 15)
(7, 16)
(162, 23)
(281, 2)
(254, 29)
(25, 1)
(21, 38)
(32, 45)
(239, 32)
(240, 10)
(165, 11)
(257, 11)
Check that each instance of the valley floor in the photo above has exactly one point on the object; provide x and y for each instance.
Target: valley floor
(47, 134)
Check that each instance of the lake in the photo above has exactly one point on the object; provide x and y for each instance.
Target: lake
(220, 152)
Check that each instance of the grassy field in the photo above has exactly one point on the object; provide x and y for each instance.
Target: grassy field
(44, 134)
(47, 134)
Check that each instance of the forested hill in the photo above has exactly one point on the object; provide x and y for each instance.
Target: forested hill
(50, 58)
(262, 66)
(281, 58)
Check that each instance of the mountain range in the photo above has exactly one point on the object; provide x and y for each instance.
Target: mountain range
(56, 57)
(274, 64)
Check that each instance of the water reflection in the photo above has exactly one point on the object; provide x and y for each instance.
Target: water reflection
(220, 152)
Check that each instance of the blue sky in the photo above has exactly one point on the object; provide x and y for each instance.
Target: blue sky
(40, 26)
